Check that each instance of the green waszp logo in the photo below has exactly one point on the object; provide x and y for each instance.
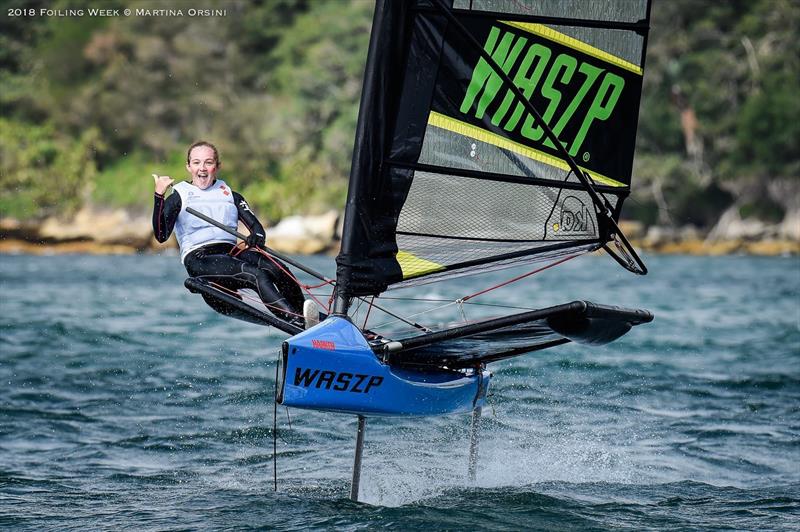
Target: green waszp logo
(538, 68)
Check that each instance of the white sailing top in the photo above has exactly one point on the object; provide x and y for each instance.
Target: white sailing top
(215, 202)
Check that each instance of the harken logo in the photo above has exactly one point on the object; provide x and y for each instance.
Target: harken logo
(575, 217)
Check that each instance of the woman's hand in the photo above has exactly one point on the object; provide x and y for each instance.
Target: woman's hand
(163, 182)
(256, 240)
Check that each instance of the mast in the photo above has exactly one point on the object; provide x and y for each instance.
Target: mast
(369, 143)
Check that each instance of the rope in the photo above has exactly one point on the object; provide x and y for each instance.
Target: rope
(515, 279)
(460, 304)
(304, 287)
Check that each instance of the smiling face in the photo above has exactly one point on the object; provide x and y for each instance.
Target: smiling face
(203, 166)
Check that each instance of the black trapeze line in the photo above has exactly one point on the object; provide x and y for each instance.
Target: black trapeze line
(505, 178)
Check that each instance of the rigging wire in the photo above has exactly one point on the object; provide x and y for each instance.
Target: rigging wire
(307, 288)
(416, 325)
(360, 302)
(472, 303)
(523, 276)
(366, 318)
(407, 319)
(466, 298)
(460, 302)
(624, 255)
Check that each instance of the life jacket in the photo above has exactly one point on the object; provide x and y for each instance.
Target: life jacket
(215, 202)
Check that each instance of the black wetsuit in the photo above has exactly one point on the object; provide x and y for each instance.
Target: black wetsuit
(248, 269)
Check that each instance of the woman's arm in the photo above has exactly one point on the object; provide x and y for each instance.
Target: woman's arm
(165, 213)
(250, 221)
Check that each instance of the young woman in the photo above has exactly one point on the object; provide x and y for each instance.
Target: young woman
(206, 251)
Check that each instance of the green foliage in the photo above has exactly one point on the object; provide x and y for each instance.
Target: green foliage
(763, 209)
(299, 186)
(43, 172)
(306, 129)
(659, 124)
(768, 127)
(259, 31)
(735, 66)
(668, 193)
(128, 182)
(92, 106)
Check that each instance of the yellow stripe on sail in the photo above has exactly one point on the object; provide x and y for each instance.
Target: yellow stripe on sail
(413, 266)
(575, 44)
(468, 130)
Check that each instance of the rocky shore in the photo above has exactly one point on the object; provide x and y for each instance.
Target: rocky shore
(93, 231)
(731, 239)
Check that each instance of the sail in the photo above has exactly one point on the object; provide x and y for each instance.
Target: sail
(452, 172)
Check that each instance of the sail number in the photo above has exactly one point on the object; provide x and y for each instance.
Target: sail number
(336, 381)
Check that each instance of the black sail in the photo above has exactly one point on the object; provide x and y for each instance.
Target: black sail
(451, 173)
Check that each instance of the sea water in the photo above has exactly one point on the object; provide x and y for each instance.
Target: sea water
(126, 403)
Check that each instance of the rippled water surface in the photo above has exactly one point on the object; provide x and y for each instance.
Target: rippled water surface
(126, 403)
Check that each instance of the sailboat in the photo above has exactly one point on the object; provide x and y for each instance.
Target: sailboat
(491, 134)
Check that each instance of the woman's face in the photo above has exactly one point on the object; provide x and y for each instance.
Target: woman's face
(202, 166)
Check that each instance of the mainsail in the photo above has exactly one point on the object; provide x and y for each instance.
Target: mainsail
(452, 172)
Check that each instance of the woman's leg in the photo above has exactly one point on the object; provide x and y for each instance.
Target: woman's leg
(277, 271)
(215, 264)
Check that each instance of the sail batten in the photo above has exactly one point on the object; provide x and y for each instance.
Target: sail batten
(565, 181)
(452, 172)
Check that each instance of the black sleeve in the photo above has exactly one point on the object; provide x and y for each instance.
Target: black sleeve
(165, 213)
(248, 218)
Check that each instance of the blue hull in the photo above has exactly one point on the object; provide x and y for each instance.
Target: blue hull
(331, 367)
